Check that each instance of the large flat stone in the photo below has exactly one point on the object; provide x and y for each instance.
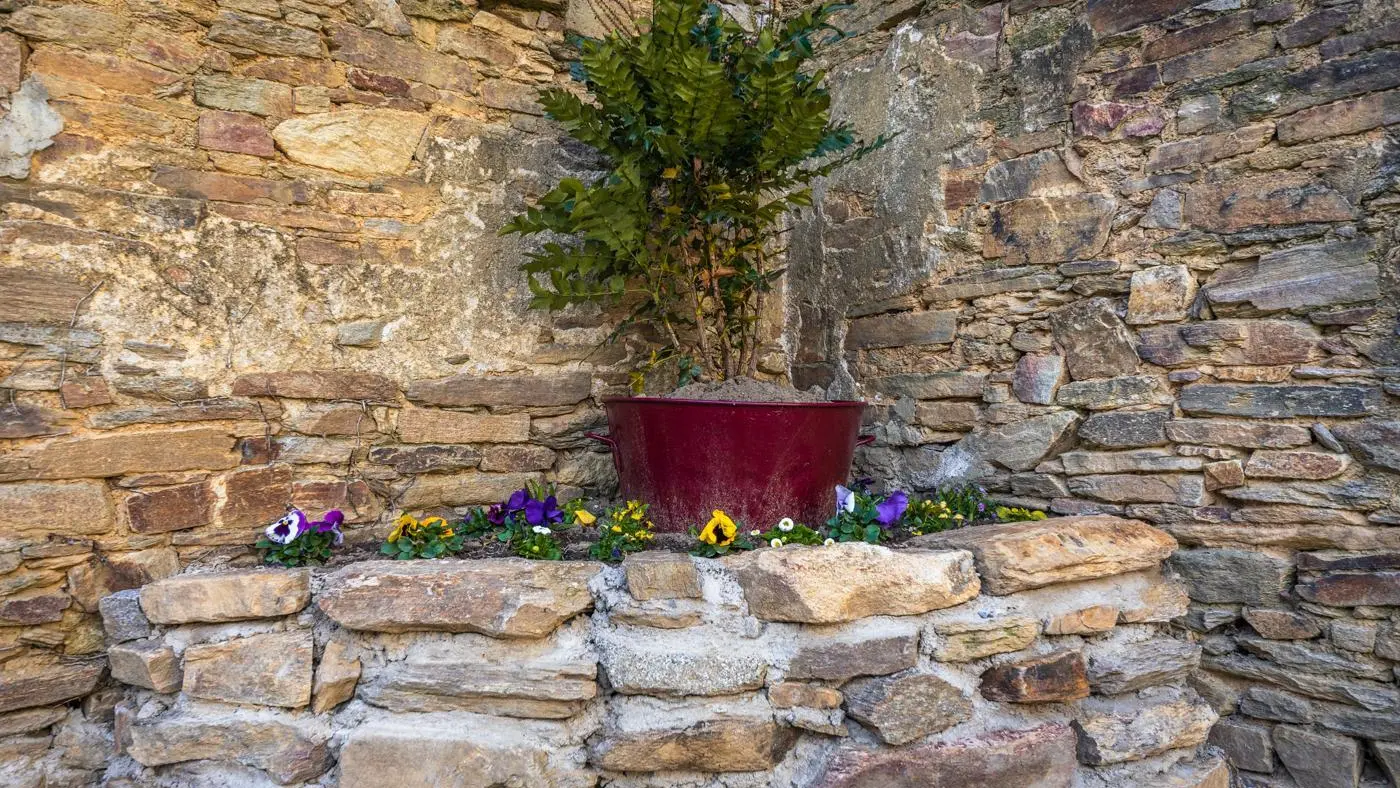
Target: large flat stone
(272, 669)
(1374, 441)
(1230, 575)
(426, 425)
(682, 662)
(531, 689)
(907, 706)
(1052, 678)
(1117, 668)
(908, 328)
(1278, 402)
(845, 582)
(362, 142)
(1021, 445)
(22, 687)
(1242, 434)
(1040, 230)
(61, 508)
(870, 648)
(500, 390)
(458, 752)
(1353, 589)
(1096, 342)
(1241, 203)
(229, 596)
(100, 456)
(506, 598)
(1318, 758)
(1040, 757)
(1302, 276)
(332, 384)
(1130, 728)
(290, 751)
(735, 735)
(1013, 557)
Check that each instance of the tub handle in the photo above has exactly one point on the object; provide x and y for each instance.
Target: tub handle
(865, 440)
(611, 443)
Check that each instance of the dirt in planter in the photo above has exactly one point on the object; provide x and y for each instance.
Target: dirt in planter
(747, 390)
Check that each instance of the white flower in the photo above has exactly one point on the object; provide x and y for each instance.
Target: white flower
(755, 532)
(829, 542)
(786, 524)
(776, 543)
(288, 528)
(540, 529)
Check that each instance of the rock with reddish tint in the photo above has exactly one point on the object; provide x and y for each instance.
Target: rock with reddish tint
(907, 706)
(794, 694)
(1037, 378)
(99, 576)
(228, 596)
(272, 669)
(1133, 727)
(255, 497)
(503, 598)
(1095, 341)
(1041, 230)
(734, 735)
(288, 749)
(318, 384)
(38, 609)
(1160, 294)
(1353, 589)
(1054, 678)
(503, 390)
(1242, 434)
(1040, 757)
(171, 508)
(1274, 464)
(1281, 624)
(1013, 557)
(146, 663)
(907, 328)
(235, 132)
(26, 685)
(426, 459)
(845, 582)
(1238, 204)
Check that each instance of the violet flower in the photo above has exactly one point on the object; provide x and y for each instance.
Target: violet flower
(540, 512)
(288, 528)
(330, 522)
(845, 499)
(495, 515)
(517, 501)
(888, 511)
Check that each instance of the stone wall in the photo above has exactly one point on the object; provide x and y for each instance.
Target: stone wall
(851, 665)
(1141, 258)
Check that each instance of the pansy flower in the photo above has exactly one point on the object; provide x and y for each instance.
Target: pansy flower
(330, 522)
(404, 523)
(585, 517)
(540, 512)
(719, 531)
(786, 524)
(288, 528)
(892, 508)
(845, 499)
(517, 501)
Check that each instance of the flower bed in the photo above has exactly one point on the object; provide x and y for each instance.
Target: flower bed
(1034, 657)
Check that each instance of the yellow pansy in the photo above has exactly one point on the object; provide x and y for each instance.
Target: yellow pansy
(585, 517)
(617, 529)
(433, 522)
(719, 531)
(400, 524)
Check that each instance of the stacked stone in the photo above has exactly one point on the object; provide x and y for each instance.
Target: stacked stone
(1154, 277)
(1037, 656)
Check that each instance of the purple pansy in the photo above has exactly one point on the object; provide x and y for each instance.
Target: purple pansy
(845, 499)
(892, 508)
(517, 501)
(541, 512)
(289, 527)
(495, 515)
(331, 522)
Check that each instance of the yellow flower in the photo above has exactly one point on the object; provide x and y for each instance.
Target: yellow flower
(957, 517)
(400, 524)
(535, 549)
(433, 522)
(617, 529)
(719, 531)
(447, 534)
(585, 517)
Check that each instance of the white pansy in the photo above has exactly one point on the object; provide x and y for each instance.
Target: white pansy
(540, 529)
(786, 524)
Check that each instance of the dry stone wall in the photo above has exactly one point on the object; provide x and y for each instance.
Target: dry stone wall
(1140, 258)
(851, 665)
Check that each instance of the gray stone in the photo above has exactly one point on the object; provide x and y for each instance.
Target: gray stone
(1037, 378)
(1247, 745)
(1318, 760)
(1094, 339)
(1116, 668)
(1228, 575)
(122, 618)
(1110, 393)
(1133, 727)
(1369, 695)
(1040, 174)
(1020, 446)
(541, 689)
(1180, 489)
(1387, 755)
(289, 750)
(1119, 429)
(28, 127)
(1358, 636)
(472, 751)
(1316, 657)
(1041, 757)
(1163, 213)
(1278, 402)
(1374, 441)
(680, 663)
(1245, 435)
(361, 333)
(898, 330)
(864, 651)
(1040, 230)
(1301, 276)
(1078, 463)
(932, 385)
(907, 706)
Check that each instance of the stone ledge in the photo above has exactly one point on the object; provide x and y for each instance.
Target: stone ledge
(1015, 557)
(228, 596)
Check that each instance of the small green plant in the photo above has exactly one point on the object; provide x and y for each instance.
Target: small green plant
(539, 543)
(787, 532)
(1013, 514)
(295, 541)
(625, 529)
(527, 521)
(863, 516)
(928, 516)
(431, 537)
(968, 500)
(720, 536)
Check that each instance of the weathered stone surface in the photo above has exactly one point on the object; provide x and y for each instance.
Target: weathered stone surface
(265, 35)
(99, 456)
(1078, 463)
(398, 57)
(1088, 621)
(171, 509)
(23, 687)
(932, 385)
(1135, 727)
(1342, 117)
(1095, 341)
(1246, 435)
(957, 416)
(1318, 758)
(1108, 17)
(1226, 575)
(906, 328)
(470, 752)
(30, 720)
(1247, 745)
(228, 596)
(1281, 624)
(907, 706)
(850, 581)
(1160, 294)
(274, 669)
(1041, 174)
(964, 641)
(520, 457)
(1037, 378)
(256, 96)
(1275, 464)
(1277, 402)
(466, 489)
(38, 609)
(539, 689)
(1013, 557)
(1040, 757)
(33, 296)
(1109, 393)
(790, 694)
(426, 459)
(66, 508)
(1041, 230)
(1021, 445)
(1353, 589)
(146, 663)
(1117, 668)
(520, 390)
(363, 142)
(1053, 678)
(1387, 754)
(424, 425)
(1115, 430)
(1374, 441)
(318, 384)
(1209, 148)
(1181, 489)
(337, 674)
(868, 650)
(731, 736)
(235, 132)
(656, 575)
(288, 751)
(122, 618)
(1250, 202)
(506, 598)
(1301, 276)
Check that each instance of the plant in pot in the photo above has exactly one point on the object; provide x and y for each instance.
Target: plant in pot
(711, 133)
